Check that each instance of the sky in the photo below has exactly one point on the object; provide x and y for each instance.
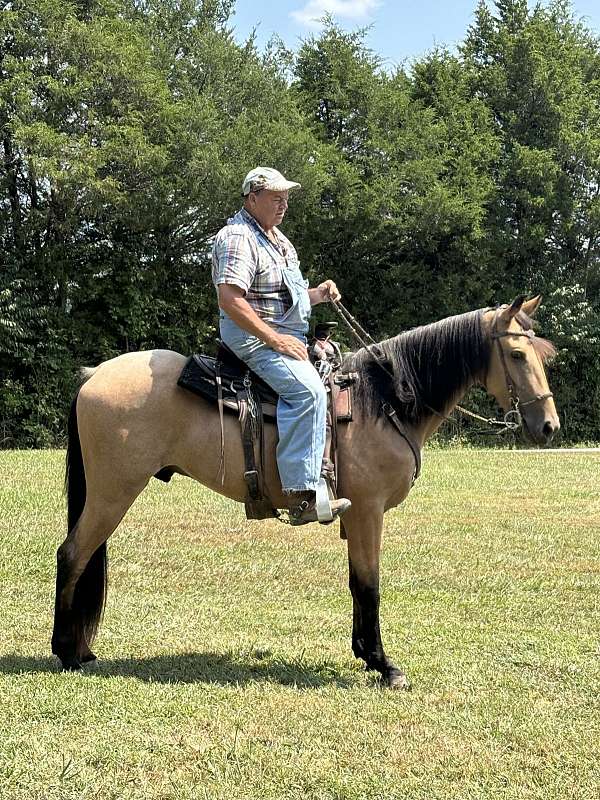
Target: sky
(401, 29)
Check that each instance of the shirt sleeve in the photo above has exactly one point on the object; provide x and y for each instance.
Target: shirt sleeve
(234, 261)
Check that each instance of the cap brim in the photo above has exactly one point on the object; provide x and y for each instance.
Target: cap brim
(275, 186)
(282, 186)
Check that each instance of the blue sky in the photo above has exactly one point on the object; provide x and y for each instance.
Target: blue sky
(401, 29)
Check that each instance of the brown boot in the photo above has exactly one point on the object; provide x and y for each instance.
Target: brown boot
(303, 508)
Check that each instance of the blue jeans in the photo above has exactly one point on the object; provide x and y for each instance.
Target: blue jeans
(301, 408)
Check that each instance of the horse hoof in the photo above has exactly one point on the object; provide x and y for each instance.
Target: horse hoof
(69, 663)
(397, 680)
(87, 657)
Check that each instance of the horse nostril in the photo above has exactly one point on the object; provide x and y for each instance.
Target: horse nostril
(548, 429)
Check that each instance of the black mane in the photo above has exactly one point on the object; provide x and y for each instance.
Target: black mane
(431, 366)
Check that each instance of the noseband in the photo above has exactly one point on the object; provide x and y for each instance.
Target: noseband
(513, 418)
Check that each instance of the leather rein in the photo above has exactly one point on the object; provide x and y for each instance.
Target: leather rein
(368, 343)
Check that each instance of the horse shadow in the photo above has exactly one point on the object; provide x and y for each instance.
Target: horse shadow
(211, 668)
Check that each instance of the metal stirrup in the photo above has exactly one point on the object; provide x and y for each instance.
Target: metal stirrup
(322, 502)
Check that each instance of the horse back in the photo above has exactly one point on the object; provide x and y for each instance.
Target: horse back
(134, 421)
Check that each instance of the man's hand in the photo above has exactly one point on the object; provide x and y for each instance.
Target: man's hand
(327, 291)
(233, 302)
(288, 346)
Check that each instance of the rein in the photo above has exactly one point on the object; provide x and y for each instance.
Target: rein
(354, 327)
(371, 346)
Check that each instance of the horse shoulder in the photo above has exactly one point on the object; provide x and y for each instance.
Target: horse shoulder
(372, 447)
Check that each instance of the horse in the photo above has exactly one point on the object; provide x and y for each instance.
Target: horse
(129, 420)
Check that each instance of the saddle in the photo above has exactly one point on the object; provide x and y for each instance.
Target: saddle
(228, 381)
(205, 375)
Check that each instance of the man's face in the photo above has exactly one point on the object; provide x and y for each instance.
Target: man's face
(268, 207)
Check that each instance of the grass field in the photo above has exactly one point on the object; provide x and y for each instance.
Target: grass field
(225, 666)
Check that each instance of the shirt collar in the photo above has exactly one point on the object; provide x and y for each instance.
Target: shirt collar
(253, 221)
(247, 217)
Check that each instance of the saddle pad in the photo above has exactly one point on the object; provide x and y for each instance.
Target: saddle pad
(198, 377)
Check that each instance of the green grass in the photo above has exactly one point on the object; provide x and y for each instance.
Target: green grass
(225, 666)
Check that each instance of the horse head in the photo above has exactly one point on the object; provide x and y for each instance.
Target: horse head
(516, 377)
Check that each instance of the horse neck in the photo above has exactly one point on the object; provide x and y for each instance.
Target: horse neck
(425, 429)
(457, 350)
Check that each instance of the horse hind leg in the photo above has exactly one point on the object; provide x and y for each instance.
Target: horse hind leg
(81, 580)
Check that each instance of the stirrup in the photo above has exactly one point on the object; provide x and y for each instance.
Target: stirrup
(323, 502)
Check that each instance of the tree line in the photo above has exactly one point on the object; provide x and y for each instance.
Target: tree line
(454, 182)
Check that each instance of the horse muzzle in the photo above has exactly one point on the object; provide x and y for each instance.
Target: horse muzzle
(542, 429)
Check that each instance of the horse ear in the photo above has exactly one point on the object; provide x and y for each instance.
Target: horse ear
(512, 310)
(531, 306)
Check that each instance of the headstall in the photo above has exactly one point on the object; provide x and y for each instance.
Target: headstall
(513, 418)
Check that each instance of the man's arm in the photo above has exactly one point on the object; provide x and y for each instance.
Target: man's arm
(235, 305)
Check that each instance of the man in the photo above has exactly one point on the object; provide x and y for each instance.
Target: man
(265, 307)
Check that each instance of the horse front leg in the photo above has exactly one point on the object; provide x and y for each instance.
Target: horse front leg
(363, 529)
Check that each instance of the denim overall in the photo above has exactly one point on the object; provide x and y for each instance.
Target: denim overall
(301, 408)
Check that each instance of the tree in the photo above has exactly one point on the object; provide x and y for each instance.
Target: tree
(404, 190)
(538, 72)
(126, 128)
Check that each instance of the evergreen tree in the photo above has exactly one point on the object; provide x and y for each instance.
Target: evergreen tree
(404, 193)
(538, 72)
(126, 128)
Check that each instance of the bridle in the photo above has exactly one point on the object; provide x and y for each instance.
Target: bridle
(513, 418)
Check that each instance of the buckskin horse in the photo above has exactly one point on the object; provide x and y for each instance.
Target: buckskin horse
(129, 420)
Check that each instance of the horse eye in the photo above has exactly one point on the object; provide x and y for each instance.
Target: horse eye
(518, 354)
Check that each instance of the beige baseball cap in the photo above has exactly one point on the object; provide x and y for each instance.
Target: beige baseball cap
(266, 178)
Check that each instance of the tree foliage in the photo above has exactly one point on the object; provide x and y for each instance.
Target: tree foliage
(126, 127)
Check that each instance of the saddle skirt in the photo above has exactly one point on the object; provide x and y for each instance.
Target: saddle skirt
(202, 375)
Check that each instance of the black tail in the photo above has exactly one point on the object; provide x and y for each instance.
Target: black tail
(90, 592)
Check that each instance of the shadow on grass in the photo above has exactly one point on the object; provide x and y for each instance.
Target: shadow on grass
(216, 668)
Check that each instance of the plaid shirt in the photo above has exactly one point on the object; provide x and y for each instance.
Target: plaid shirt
(244, 256)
